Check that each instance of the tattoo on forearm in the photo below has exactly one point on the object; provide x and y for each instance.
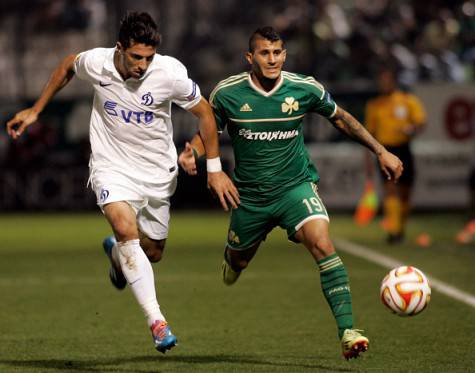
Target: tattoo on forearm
(354, 128)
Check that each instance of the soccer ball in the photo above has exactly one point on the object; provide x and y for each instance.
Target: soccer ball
(405, 291)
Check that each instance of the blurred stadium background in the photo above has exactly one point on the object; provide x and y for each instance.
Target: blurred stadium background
(57, 309)
(340, 42)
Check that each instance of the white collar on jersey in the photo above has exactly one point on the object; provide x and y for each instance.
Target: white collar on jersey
(109, 66)
(261, 91)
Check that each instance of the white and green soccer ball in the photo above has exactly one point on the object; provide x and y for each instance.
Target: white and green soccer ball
(405, 291)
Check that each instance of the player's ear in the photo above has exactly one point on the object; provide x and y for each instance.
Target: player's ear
(284, 54)
(249, 57)
(119, 47)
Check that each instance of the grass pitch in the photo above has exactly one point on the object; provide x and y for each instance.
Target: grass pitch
(58, 311)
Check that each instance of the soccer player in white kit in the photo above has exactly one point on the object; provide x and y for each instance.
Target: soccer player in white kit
(133, 164)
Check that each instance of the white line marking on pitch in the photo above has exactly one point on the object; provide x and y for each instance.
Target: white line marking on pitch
(388, 262)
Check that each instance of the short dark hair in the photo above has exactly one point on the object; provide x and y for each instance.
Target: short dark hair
(138, 27)
(266, 32)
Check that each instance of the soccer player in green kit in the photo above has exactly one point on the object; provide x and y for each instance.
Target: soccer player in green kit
(263, 111)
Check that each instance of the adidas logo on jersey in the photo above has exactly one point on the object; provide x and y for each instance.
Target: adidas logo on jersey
(245, 107)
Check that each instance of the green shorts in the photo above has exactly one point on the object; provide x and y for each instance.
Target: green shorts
(250, 223)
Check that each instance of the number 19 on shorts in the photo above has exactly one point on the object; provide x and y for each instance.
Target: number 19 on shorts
(313, 205)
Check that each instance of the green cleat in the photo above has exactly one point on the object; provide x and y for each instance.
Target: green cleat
(229, 275)
(353, 343)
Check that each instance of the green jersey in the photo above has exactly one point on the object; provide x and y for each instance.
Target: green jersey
(266, 131)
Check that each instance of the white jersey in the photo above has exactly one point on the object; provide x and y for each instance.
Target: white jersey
(131, 130)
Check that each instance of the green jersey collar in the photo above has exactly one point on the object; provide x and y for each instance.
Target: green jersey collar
(261, 91)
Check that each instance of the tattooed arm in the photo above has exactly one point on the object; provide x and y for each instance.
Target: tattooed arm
(389, 163)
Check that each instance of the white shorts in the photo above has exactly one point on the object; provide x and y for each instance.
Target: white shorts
(151, 201)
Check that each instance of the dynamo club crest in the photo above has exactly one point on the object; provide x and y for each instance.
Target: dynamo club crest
(147, 99)
(103, 195)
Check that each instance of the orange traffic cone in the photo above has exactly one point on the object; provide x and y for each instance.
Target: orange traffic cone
(423, 240)
(367, 206)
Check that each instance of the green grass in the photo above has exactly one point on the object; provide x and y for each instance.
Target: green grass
(58, 311)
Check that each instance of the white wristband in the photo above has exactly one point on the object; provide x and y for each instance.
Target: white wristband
(213, 165)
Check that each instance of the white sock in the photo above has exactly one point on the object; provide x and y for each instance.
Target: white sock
(139, 274)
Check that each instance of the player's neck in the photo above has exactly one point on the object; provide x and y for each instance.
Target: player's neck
(264, 83)
(118, 66)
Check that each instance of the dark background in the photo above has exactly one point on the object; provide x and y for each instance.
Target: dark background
(342, 43)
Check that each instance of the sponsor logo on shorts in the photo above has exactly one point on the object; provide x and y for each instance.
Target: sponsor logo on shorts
(233, 237)
(103, 195)
(268, 136)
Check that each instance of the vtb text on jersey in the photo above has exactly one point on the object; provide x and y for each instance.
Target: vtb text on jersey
(130, 128)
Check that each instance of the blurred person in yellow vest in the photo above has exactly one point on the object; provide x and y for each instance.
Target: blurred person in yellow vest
(394, 118)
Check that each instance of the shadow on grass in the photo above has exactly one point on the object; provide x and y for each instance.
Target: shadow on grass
(101, 365)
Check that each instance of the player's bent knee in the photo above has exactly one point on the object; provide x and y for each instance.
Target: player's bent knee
(237, 263)
(153, 249)
(154, 255)
(124, 230)
(321, 248)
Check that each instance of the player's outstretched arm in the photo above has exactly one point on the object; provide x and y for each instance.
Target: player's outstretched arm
(218, 182)
(389, 163)
(61, 75)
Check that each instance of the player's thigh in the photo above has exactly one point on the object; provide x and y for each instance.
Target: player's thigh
(249, 225)
(121, 217)
(299, 206)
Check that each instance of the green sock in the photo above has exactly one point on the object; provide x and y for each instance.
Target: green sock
(336, 287)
